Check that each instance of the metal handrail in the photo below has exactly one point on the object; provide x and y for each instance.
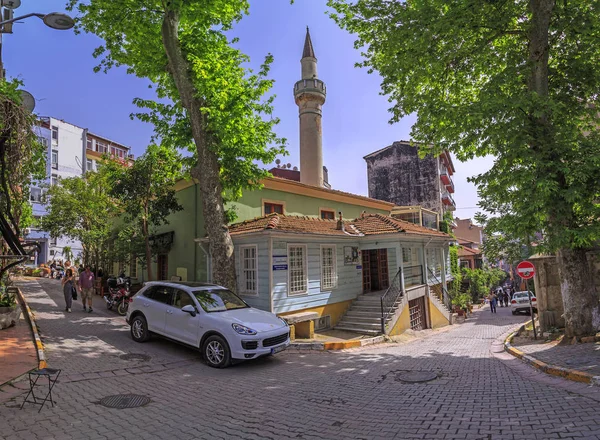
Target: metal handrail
(390, 298)
(410, 275)
(445, 295)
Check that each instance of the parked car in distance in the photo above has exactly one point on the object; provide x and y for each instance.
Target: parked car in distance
(208, 317)
(520, 302)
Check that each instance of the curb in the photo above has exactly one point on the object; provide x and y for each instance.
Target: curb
(36, 335)
(338, 345)
(554, 370)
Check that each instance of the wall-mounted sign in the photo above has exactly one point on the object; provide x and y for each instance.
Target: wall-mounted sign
(358, 267)
(351, 255)
(279, 259)
(280, 267)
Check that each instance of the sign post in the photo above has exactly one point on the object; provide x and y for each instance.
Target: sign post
(526, 270)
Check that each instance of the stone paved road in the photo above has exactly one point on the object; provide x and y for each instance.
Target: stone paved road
(480, 393)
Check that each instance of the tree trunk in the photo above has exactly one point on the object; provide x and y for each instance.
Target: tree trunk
(208, 170)
(580, 299)
(148, 251)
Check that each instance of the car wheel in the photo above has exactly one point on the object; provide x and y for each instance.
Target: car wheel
(216, 352)
(514, 312)
(139, 329)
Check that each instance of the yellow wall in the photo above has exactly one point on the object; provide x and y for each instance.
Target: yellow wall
(402, 324)
(437, 319)
(336, 311)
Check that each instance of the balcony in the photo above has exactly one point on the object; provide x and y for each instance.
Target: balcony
(450, 187)
(445, 176)
(448, 201)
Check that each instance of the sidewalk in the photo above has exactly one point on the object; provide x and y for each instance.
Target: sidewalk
(18, 354)
(580, 357)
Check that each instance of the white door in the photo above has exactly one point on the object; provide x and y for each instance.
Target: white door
(155, 303)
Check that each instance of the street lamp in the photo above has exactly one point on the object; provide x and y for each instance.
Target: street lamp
(55, 20)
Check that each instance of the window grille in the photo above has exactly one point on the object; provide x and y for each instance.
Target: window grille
(297, 270)
(249, 266)
(328, 268)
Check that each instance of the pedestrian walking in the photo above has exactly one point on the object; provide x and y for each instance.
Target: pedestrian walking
(69, 289)
(492, 299)
(500, 296)
(86, 284)
(506, 299)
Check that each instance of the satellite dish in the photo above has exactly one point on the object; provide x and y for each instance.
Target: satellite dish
(59, 21)
(277, 161)
(11, 4)
(295, 168)
(28, 101)
(289, 165)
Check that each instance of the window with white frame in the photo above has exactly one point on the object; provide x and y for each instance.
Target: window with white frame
(43, 141)
(133, 267)
(434, 262)
(89, 165)
(55, 133)
(54, 159)
(53, 241)
(101, 147)
(328, 268)
(297, 269)
(54, 179)
(249, 266)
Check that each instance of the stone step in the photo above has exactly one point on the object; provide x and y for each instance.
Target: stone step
(363, 314)
(365, 319)
(362, 308)
(365, 325)
(358, 330)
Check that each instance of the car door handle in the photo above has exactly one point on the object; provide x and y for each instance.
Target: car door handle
(170, 312)
(146, 304)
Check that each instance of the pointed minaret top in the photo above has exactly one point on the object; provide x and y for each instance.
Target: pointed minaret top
(308, 47)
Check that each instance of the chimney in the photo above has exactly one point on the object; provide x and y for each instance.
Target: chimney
(363, 214)
(340, 222)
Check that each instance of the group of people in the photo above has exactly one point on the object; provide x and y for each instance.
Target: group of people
(501, 296)
(78, 281)
(58, 268)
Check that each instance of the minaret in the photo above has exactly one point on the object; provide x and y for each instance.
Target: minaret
(310, 93)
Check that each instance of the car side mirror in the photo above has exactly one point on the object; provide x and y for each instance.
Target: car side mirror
(189, 309)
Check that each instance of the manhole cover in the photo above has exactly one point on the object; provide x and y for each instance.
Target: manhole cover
(135, 357)
(122, 401)
(416, 376)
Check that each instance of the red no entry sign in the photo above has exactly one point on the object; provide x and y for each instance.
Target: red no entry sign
(525, 269)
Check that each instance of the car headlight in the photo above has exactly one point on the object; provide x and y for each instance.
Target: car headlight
(283, 321)
(243, 330)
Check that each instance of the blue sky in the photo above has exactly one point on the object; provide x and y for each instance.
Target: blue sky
(56, 67)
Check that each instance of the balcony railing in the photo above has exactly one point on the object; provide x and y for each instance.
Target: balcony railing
(445, 177)
(449, 201)
(450, 187)
(310, 85)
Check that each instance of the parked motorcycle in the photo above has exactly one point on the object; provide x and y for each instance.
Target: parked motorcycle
(119, 294)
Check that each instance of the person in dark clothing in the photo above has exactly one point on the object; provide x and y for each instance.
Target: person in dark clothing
(68, 283)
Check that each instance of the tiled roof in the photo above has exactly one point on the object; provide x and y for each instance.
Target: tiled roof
(468, 252)
(374, 224)
(370, 224)
(290, 223)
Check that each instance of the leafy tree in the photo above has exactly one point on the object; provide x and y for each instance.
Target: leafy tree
(81, 208)
(145, 190)
(67, 253)
(481, 281)
(517, 80)
(22, 159)
(210, 103)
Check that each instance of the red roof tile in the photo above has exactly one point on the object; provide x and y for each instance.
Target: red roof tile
(468, 252)
(370, 224)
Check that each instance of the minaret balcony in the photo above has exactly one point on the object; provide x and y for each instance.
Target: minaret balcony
(313, 85)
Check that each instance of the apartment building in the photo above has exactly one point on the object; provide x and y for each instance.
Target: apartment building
(71, 151)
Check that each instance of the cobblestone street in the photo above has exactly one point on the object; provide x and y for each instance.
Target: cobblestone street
(480, 393)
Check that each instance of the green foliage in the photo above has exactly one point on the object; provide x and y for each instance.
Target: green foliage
(67, 253)
(476, 75)
(81, 208)
(482, 280)
(462, 300)
(445, 222)
(7, 299)
(146, 196)
(22, 157)
(236, 115)
(455, 287)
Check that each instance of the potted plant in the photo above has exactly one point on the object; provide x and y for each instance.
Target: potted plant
(9, 309)
(461, 303)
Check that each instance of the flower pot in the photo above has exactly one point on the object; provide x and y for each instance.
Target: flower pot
(9, 316)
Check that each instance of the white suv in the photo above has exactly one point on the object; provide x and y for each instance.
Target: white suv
(208, 317)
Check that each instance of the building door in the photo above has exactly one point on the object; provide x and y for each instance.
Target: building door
(375, 270)
(162, 267)
(366, 271)
(418, 317)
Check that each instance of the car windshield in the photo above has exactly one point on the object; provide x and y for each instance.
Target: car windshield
(219, 300)
(521, 295)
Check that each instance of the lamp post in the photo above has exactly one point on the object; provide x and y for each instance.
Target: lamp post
(55, 20)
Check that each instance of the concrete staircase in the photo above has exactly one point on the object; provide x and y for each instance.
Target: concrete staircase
(364, 315)
(436, 295)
